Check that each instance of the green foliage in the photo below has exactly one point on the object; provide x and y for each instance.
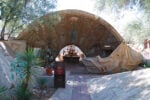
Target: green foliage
(15, 14)
(135, 11)
(134, 30)
(4, 95)
(24, 64)
(122, 3)
(145, 4)
(22, 94)
(48, 56)
(110, 4)
(37, 8)
(10, 12)
(2, 89)
(147, 65)
(42, 83)
(102, 4)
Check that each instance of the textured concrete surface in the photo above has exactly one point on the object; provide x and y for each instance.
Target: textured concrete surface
(5, 59)
(133, 85)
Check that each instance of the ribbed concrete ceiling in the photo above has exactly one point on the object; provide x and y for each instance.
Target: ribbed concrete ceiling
(65, 27)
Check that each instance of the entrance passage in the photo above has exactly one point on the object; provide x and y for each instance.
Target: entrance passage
(70, 54)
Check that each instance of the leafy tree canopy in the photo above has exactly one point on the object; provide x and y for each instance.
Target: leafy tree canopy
(14, 14)
(134, 30)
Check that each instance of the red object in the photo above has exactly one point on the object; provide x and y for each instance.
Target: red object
(49, 71)
(59, 75)
(59, 68)
(60, 71)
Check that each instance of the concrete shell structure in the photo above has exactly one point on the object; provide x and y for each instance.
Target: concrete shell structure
(90, 33)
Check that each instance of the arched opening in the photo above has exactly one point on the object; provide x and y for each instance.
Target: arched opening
(69, 52)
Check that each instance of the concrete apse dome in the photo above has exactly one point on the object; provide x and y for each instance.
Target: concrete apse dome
(90, 33)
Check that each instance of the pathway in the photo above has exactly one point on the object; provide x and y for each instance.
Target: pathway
(80, 91)
(132, 85)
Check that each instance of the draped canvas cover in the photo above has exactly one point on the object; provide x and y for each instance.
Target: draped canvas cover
(122, 58)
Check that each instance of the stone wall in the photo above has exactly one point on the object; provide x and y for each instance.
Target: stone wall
(16, 45)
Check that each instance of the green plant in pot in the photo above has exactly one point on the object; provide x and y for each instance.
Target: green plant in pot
(48, 55)
(41, 86)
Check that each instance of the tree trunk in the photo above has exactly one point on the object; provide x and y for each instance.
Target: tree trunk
(26, 83)
(3, 30)
(27, 78)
